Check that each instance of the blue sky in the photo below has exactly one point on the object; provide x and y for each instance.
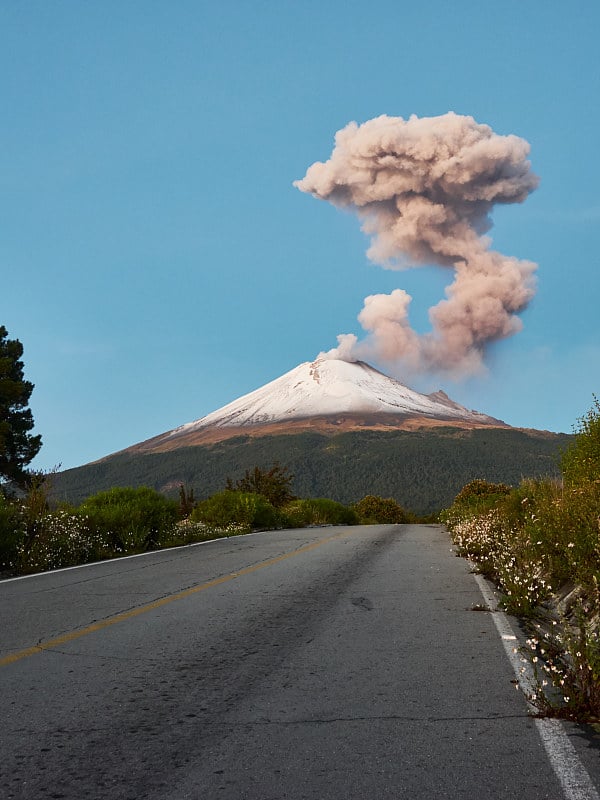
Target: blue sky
(156, 260)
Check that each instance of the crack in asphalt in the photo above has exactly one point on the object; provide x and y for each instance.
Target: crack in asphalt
(276, 723)
(377, 718)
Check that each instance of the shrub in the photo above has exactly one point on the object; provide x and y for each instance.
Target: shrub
(581, 461)
(297, 514)
(131, 520)
(380, 510)
(12, 532)
(247, 509)
(273, 484)
(23, 519)
(479, 494)
(63, 539)
(566, 661)
(319, 511)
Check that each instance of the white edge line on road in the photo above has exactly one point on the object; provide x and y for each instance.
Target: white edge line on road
(127, 558)
(572, 775)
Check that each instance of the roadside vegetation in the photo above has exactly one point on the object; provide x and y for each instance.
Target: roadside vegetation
(37, 534)
(540, 543)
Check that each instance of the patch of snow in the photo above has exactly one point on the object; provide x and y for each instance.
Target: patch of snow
(330, 386)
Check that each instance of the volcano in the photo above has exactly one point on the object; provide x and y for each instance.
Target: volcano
(344, 430)
(325, 395)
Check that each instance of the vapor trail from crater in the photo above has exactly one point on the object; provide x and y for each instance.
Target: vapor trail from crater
(424, 189)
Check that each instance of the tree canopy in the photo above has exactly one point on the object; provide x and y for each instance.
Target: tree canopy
(274, 484)
(18, 447)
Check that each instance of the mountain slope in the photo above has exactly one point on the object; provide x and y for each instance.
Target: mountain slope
(422, 469)
(325, 394)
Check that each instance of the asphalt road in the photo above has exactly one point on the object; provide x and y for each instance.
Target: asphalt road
(327, 663)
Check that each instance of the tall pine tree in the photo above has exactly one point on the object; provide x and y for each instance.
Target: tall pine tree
(17, 446)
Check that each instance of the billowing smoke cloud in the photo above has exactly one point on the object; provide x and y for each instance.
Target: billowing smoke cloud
(424, 189)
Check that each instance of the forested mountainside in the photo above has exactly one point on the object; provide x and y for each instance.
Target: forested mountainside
(423, 470)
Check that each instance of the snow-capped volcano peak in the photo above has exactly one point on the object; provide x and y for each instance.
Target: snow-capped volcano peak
(329, 387)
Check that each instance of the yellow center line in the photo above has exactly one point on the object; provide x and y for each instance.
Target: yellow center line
(135, 612)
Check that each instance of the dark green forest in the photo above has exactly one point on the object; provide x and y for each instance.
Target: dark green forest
(423, 470)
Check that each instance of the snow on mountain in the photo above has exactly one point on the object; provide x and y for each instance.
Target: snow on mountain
(326, 387)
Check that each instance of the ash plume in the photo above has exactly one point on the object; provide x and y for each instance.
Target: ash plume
(424, 189)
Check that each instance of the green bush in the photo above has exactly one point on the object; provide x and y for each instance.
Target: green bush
(476, 497)
(247, 509)
(131, 520)
(375, 509)
(297, 514)
(581, 461)
(319, 511)
(479, 492)
(12, 532)
(22, 521)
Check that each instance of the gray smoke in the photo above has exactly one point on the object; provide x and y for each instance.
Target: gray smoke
(424, 189)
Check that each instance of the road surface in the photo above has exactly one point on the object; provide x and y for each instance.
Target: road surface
(330, 663)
